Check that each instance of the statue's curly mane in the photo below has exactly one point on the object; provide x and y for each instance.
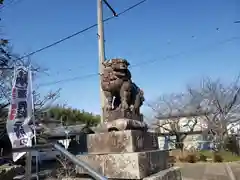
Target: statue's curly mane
(115, 72)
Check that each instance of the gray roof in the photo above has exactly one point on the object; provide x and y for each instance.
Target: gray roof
(64, 130)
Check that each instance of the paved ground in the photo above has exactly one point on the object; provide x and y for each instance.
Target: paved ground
(235, 167)
(197, 171)
(210, 171)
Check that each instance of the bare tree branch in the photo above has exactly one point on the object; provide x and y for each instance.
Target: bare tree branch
(224, 102)
(175, 115)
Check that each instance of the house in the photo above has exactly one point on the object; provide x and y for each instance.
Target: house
(195, 128)
(51, 131)
(233, 128)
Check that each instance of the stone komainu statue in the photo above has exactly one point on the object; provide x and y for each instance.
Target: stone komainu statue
(120, 91)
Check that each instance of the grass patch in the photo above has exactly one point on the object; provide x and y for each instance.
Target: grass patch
(4, 167)
(226, 155)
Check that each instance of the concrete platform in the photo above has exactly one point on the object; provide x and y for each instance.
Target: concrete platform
(172, 173)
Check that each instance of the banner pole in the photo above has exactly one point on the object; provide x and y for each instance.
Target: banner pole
(33, 120)
(20, 113)
(28, 166)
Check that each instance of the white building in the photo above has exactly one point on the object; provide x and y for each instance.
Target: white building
(233, 128)
(185, 124)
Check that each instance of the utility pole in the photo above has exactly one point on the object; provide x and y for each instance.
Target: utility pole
(101, 51)
(101, 46)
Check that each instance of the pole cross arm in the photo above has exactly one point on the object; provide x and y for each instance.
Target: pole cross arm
(70, 156)
(109, 6)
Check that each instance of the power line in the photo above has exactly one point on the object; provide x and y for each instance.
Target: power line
(6, 5)
(180, 53)
(10, 3)
(190, 51)
(138, 64)
(69, 79)
(81, 31)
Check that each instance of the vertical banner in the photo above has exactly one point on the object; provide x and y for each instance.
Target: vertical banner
(20, 111)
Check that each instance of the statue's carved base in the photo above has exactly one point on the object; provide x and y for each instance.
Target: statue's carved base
(119, 114)
(121, 124)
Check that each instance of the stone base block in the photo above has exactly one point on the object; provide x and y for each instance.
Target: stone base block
(135, 165)
(121, 125)
(119, 114)
(172, 173)
(122, 141)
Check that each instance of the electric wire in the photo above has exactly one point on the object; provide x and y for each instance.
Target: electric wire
(171, 56)
(141, 63)
(10, 3)
(81, 31)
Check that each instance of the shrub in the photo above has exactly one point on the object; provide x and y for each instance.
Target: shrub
(10, 172)
(217, 157)
(231, 144)
(202, 157)
(182, 159)
(191, 158)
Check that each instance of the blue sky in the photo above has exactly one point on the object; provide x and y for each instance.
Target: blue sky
(145, 35)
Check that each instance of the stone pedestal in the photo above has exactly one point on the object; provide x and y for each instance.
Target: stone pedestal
(128, 154)
(136, 165)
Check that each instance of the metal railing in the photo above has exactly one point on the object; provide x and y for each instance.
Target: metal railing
(70, 156)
